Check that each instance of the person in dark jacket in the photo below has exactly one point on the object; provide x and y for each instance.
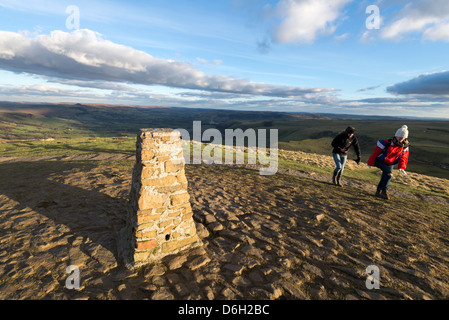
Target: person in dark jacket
(341, 144)
(386, 155)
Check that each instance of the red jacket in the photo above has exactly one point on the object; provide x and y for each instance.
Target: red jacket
(390, 154)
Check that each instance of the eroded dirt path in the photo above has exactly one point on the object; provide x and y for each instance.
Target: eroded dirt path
(264, 237)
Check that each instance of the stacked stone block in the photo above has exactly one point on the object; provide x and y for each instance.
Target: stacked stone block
(160, 218)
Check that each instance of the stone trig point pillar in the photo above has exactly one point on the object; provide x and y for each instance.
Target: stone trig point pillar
(160, 218)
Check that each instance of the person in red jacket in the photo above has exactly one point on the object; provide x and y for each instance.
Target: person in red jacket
(387, 154)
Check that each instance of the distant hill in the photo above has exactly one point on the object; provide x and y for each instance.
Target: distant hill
(296, 131)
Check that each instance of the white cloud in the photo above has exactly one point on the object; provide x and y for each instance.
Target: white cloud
(396, 30)
(41, 90)
(215, 62)
(429, 17)
(342, 37)
(85, 55)
(439, 32)
(367, 37)
(105, 85)
(55, 93)
(303, 20)
(368, 88)
(436, 84)
(50, 93)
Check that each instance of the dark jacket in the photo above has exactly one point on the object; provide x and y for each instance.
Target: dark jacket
(342, 143)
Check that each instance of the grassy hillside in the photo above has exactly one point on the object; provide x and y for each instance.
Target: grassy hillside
(311, 163)
(68, 147)
(37, 121)
(73, 125)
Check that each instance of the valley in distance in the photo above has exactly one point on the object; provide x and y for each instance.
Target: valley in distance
(65, 179)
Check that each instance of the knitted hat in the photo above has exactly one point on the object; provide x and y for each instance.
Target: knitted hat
(350, 130)
(402, 132)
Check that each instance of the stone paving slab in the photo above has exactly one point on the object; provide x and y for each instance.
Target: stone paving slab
(270, 245)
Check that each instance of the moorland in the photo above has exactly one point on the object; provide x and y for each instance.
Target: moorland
(89, 129)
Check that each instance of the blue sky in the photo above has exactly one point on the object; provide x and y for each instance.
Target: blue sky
(331, 56)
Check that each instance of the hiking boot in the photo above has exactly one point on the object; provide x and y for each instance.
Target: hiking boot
(384, 195)
(378, 194)
(339, 180)
(334, 181)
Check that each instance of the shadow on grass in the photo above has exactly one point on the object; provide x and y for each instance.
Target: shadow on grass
(68, 147)
(70, 150)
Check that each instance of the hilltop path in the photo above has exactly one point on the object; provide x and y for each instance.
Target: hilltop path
(288, 236)
(415, 179)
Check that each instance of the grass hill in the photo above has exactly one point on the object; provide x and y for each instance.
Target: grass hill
(74, 123)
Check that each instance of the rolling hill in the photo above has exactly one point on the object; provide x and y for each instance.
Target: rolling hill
(297, 132)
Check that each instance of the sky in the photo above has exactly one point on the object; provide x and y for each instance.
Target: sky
(365, 57)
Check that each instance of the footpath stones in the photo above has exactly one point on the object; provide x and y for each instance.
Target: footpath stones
(160, 218)
(269, 248)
